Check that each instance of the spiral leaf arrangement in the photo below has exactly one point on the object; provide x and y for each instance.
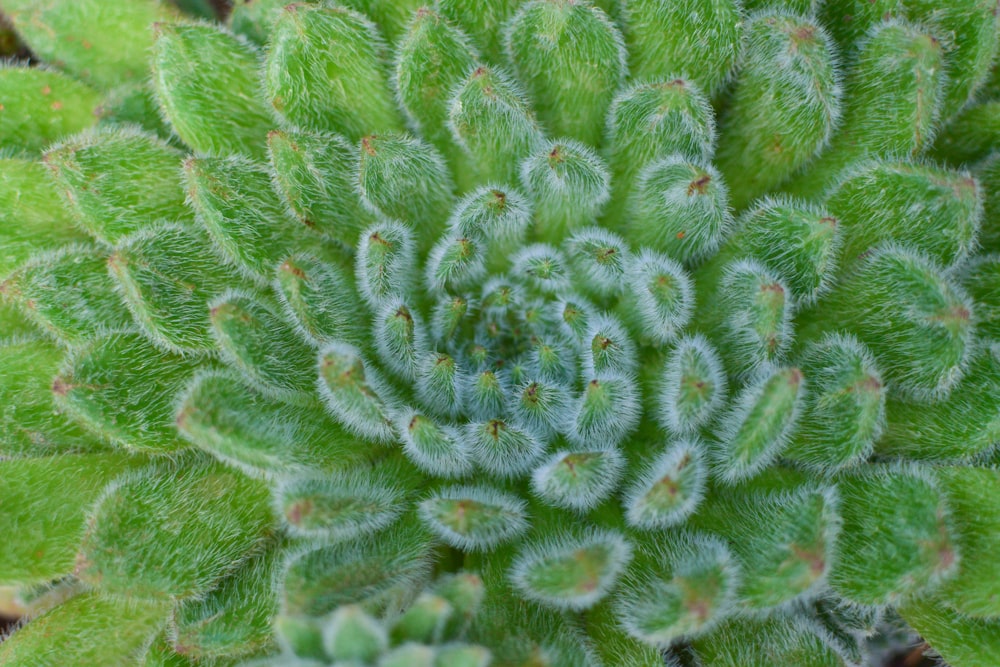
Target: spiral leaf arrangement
(500, 333)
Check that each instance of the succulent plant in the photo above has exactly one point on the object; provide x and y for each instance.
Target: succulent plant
(554, 332)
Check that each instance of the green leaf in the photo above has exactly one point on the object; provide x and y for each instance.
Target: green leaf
(961, 427)
(794, 239)
(759, 424)
(969, 36)
(391, 16)
(123, 389)
(339, 507)
(843, 414)
(569, 184)
(571, 58)
(324, 72)
(118, 181)
(239, 426)
(320, 299)
(254, 19)
(235, 618)
(41, 106)
(174, 530)
(474, 518)
(432, 59)
(484, 21)
(669, 489)
(973, 497)
(785, 106)
(768, 642)
(32, 217)
(31, 423)
(693, 387)
(677, 587)
(317, 176)
(45, 505)
(215, 110)
(87, 630)
(892, 102)
(423, 622)
(962, 641)
(249, 224)
(68, 293)
(405, 179)
(167, 275)
(355, 393)
(568, 572)
(377, 571)
(936, 211)
(783, 541)
(911, 314)
(493, 124)
(896, 538)
(649, 121)
(350, 634)
(578, 480)
(747, 309)
(679, 207)
(257, 341)
(76, 34)
(667, 38)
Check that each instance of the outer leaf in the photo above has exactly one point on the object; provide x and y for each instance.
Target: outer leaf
(320, 299)
(973, 496)
(961, 427)
(87, 630)
(391, 16)
(248, 222)
(678, 587)
(31, 216)
(892, 101)
(571, 58)
(118, 181)
(257, 341)
(69, 294)
(896, 537)
(234, 620)
(317, 175)
(378, 571)
(237, 425)
(696, 38)
(31, 423)
(432, 59)
(75, 34)
(491, 121)
(933, 210)
(912, 315)
(483, 20)
(172, 531)
(772, 642)
(785, 105)
(44, 510)
(40, 106)
(323, 72)
(123, 389)
(167, 278)
(783, 541)
(843, 413)
(207, 84)
(962, 641)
